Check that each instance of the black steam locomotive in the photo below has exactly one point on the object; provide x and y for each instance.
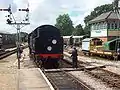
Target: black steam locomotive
(46, 45)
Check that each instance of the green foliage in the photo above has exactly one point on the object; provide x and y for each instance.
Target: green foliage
(98, 11)
(23, 36)
(78, 30)
(87, 30)
(64, 23)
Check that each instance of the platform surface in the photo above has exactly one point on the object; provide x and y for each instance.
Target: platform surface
(33, 79)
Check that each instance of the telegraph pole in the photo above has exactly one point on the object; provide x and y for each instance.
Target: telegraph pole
(18, 26)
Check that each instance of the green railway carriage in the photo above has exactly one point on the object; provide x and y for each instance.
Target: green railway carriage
(112, 45)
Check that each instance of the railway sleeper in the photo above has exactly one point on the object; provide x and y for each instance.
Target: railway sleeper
(110, 82)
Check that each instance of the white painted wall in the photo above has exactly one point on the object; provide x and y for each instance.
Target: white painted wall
(85, 45)
(99, 33)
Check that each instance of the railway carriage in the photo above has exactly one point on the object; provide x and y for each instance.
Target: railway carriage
(46, 45)
(74, 40)
(95, 46)
(7, 40)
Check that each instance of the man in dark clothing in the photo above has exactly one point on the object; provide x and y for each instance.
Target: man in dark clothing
(74, 57)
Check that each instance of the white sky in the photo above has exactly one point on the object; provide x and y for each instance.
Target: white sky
(46, 11)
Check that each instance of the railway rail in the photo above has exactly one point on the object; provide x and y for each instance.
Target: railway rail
(62, 80)
(110, 78)
(8, 53)
(80, 63)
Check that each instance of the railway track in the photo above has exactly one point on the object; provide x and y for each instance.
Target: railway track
(62, 80)
(81, 64)
(110, 78)
(65, 64)
(8, 53)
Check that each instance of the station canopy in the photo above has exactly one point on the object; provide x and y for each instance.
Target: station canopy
(67, 37)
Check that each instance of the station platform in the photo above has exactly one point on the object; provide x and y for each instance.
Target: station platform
(33, 79)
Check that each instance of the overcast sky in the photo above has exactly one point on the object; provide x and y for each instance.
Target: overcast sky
(46, 11)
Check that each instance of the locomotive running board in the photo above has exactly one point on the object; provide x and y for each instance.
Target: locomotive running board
(74, 69)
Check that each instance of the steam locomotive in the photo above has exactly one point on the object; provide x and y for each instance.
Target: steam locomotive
(46, 46)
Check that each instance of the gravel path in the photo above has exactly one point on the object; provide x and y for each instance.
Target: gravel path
(113, 66)
(92, 82)
(25, 60)
(8, 73)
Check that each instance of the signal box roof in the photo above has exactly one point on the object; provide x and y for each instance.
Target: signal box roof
(105, 16)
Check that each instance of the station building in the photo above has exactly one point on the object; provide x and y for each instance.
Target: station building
(106, 26)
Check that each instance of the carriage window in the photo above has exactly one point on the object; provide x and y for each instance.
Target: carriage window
(6, 37)
(77, 40)
(119, 24)
(108, 25)
(97, 42)
(115, 25)
(112, 26)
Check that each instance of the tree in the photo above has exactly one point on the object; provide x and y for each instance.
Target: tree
(23, 36)
(64, 23)
(97, 11)
(78, 30)
(87, 30)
